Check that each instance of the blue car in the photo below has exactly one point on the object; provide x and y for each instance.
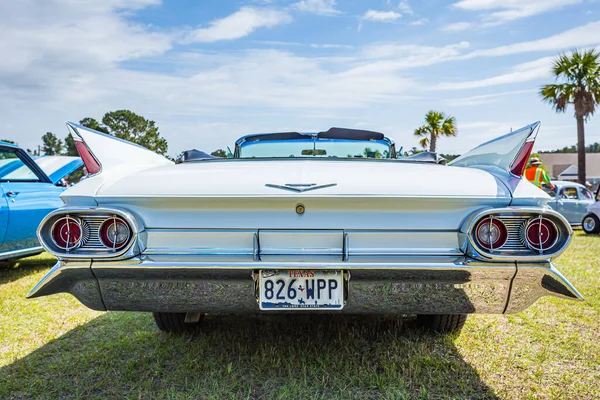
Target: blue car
(29, 190)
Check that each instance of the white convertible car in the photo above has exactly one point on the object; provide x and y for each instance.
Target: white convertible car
(331, 222)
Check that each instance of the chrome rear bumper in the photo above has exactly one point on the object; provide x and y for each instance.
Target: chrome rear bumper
(412, 285)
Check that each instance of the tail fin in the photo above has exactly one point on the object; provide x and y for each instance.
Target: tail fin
(509, 152)
(101, 152)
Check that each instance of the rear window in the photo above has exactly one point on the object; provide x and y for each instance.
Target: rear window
(585, 194)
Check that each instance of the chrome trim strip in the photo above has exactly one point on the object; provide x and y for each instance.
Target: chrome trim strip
(347, 243)
(203, 241)
(126, 215)
(195, 262)
(308, 195)
(345, 247)
(300, 187)
(21, 253)
(255, 247)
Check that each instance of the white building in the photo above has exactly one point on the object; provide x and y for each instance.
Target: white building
(563, 166)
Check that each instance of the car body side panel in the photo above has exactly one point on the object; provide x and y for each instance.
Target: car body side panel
(553, 203)
(594, 208)
(29, 204)
(26, 198)
(568, 207)
(584, 202)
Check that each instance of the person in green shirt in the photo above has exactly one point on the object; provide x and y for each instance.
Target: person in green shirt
(537, 175)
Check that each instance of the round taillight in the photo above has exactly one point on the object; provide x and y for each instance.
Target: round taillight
(114, 233)
(541, 234)
(68, 233)
(491, 233)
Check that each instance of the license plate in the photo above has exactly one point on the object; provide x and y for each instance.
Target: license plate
(301, 289)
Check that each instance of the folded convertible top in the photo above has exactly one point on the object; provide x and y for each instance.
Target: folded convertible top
(332, 133)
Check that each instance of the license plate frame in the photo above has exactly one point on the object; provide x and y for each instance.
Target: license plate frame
(301, 290)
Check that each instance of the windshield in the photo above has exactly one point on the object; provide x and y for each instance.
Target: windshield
(316, 148)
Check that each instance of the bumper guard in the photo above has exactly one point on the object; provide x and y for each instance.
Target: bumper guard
(417, 285)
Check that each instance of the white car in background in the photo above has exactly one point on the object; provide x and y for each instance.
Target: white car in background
(591, 222)
(571, 200)
(331, 221)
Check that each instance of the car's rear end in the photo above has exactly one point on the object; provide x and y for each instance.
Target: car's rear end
(348, 236)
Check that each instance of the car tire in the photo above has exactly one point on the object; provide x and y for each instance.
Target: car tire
(591, 224)
(175, 322)
(444, 323)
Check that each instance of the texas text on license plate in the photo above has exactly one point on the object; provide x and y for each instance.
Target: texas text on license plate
(301, 289)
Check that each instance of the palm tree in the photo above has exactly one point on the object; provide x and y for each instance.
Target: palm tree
(369, 153)
(436, 125)
(579, 76)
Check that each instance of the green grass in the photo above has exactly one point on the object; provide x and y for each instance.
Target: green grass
(53, 347)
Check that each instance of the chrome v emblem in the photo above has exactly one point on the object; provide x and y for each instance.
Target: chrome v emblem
(300, 187)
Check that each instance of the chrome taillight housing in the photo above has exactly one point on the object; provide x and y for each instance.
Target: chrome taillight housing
(77, 232)
(516, 234)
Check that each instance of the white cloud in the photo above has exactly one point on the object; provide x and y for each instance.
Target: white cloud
(235, 87)
(458, 26)
(239, 24)
(405, 7)
(300, 44)
(479, 124)
(381, 16)
(410, 55)
(485, 98)
(128, 4)
(60, 47)
(586, 35)
(500, 11)
(65, 61)
(330, 46)
(520, 73)
(419, 22)
(319, 7)
(477, 132)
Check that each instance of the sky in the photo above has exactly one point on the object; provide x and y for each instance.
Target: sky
(209, 72)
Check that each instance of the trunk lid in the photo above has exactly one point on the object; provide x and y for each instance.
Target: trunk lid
(360, 195)
(308, 178)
